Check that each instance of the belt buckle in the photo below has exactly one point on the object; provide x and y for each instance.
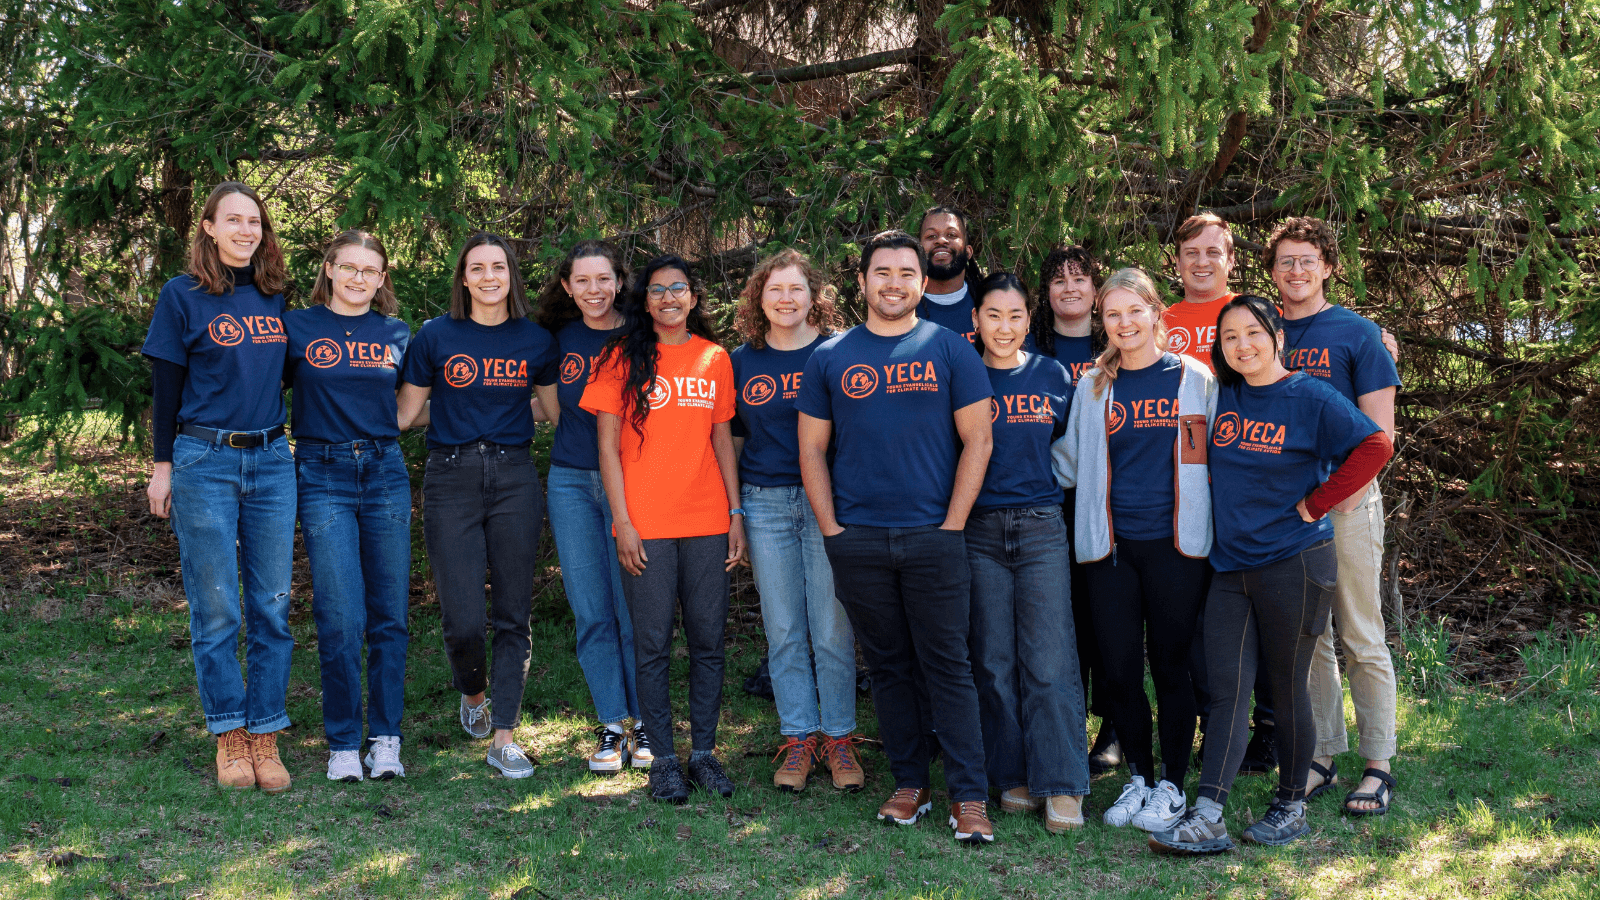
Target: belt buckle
(232, 436)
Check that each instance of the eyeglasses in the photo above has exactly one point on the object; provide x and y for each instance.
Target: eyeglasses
(352, 272)
(1290, 263)
(657, 291)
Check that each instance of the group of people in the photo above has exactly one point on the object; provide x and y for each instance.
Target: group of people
(887, 484)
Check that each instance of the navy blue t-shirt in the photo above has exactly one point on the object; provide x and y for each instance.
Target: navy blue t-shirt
(1076, 354)
(577, 446)
(482, 378)
(892, 402)
(768, 382)
(233, 345)
(1342, 348)
(1029, 411)
(1270, 447)
(956, 316)
(344, 371)
(1143, 439)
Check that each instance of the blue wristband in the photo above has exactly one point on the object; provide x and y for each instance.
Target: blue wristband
(736, 511)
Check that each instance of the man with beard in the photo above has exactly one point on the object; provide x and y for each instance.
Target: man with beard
(951, 270)
(907, 406)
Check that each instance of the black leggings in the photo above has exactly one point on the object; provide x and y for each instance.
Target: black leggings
(1147, 592)
(1268, 617)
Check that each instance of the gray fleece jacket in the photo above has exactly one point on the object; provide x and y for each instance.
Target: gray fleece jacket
(1081, 459)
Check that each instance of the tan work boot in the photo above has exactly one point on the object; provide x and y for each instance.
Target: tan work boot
(1018, 799)
(842, 760)
(798, 755)
(234, 767)
(1062, 813)
(271, 776)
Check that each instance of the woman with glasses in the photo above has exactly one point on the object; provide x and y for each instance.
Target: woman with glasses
(663, 394)
(355, 497)
(482, 508)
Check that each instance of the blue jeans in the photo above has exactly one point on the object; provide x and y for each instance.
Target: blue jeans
(233, 512)
(580, 518)
(811, 651)
(355, 516)
(1025, 652)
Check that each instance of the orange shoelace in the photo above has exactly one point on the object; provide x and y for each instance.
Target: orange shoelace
(797, 749)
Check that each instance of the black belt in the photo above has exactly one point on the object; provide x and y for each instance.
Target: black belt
(239, 440)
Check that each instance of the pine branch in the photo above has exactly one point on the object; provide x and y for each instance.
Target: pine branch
(834, 69)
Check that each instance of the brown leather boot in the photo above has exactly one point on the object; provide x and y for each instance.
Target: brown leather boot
(798, 756)
(905, 806)
(970, 819)
(271, 776)
(234, 767)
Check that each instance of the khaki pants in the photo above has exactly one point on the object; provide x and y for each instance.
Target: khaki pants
(1358, 617)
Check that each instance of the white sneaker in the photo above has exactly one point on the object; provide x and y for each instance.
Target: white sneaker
(383, 757)
(344, 765)
(1127, 805)
(1162, 809)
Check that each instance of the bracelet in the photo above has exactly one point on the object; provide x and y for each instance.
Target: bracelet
(736, 511)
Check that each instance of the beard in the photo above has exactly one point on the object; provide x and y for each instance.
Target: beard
(957, 265)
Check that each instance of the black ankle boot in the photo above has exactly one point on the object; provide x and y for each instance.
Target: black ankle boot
(1106, 754)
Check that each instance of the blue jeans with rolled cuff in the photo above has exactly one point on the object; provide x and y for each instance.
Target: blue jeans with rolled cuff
(355, 517)
(580, 518)
(811, 652)
(233, 512)
(1025, 652)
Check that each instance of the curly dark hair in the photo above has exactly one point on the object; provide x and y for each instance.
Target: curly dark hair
(1076, 260)
(635, 346)
(556, 306)
(751, 320)
(1308, 230)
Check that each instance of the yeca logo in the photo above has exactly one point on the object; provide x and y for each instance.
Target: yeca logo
(759, 390)
(322, 353)
(571, 368)
(994, 410)
(661, 395)
(1118, 416)
(859, 381)
(460, 370)
(1178, 340)
(226, 330)
(1227, 429)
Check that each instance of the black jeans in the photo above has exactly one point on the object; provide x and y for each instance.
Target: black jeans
(1266, 618)
(686, 573)
(907, 592)
(1089, 666)
(1146, 593)
(482, 511)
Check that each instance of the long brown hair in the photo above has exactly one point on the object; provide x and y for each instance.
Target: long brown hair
(461, 301)
(383, 299)
(1133, 280)
(751, 320)
(556, 306)
(205, 264)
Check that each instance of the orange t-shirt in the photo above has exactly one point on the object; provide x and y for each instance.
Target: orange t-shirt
(673, 485)
(1192, 327)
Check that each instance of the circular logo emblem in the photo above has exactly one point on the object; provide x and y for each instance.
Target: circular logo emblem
(572, 366)
(1226, 430)
(994, 410)
(759, 390)
(661, 394)
(859, 381)
(226, 330)
(460, 370)
(1118, 416)
(323, 352)
(1178, 340)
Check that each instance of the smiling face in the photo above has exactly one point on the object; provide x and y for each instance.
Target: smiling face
(669, 299)
(1249, 348)
(355, 274)
(593, 286)
(1071, 295)
(487, 277)
(1002, 324)
(945, 242)
(236, 228)
(786, 298)
(1300, 272)
(893, 283)
(1204, 262)
(1129, 322)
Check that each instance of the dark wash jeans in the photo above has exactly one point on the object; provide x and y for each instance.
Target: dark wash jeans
(482, 511)
(1268, 617)
(355, 516)
(907, 592)
(1025, 652)
(687, 573)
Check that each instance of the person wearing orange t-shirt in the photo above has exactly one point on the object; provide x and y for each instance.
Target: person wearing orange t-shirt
(663, 396)
(1205, 260)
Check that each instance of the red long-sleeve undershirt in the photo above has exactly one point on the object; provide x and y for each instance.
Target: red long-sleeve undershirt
(1363, 465)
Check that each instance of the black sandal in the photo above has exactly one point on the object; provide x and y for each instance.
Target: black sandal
(1384, 795)
(1330, 777)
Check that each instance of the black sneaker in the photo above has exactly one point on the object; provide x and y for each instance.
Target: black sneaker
(706, 773)
(666, 780)
(1106, 754)
(1261, 754)
(1279, 826)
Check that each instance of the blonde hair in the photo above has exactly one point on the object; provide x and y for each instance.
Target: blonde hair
(1136, 282)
